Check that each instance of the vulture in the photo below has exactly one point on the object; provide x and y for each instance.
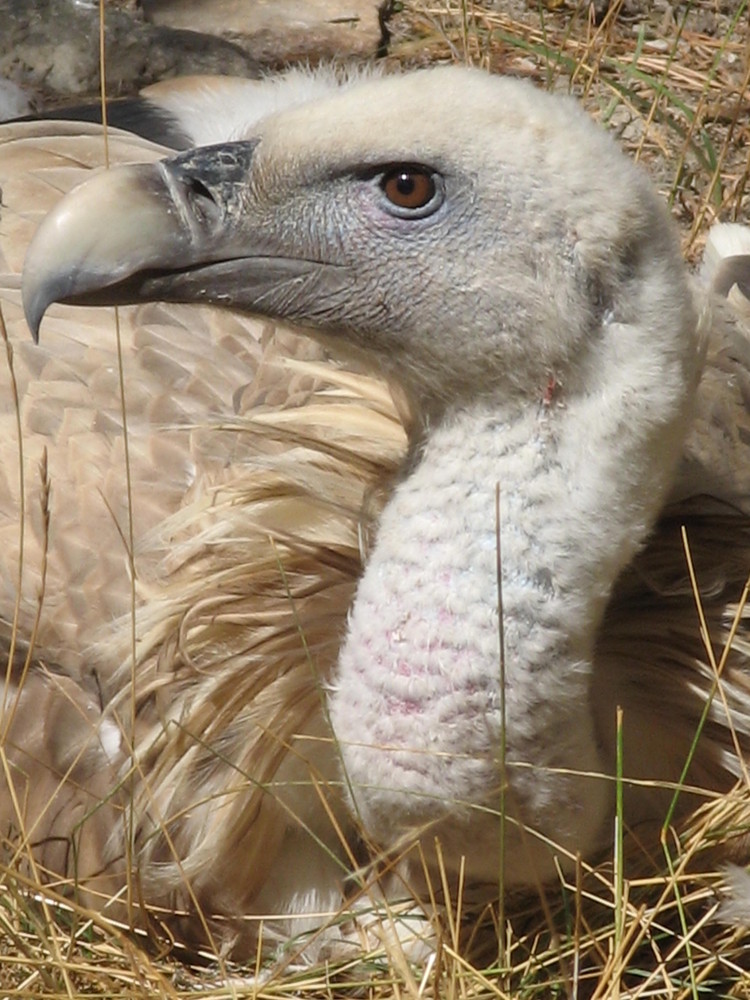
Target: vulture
(412, 455)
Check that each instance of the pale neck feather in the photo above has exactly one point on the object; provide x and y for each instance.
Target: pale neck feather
(581, 476)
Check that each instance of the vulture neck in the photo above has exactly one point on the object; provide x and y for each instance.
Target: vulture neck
(580, 481)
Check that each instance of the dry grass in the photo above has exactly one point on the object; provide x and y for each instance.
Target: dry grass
(674, 84)
(678, 97)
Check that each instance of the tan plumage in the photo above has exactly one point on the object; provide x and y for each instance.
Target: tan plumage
(250, 461)
(257, 466)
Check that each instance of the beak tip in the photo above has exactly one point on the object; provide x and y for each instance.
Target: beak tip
(34, 321)
(37, 298)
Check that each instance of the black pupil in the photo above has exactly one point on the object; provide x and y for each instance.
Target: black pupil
(405, 184)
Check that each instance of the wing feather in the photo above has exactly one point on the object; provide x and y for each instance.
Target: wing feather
(251, 458)
(654, 659)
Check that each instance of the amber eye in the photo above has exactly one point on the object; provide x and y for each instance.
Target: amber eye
(411, 191)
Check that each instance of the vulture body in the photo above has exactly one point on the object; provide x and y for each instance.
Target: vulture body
(501, 395)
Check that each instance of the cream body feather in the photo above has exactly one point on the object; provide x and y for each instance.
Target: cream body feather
(249, 463)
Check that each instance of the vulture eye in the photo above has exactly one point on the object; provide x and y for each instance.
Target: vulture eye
(412, 192)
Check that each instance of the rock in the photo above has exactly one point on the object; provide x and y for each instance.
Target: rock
(274, 31)
(51, 47)
(14, 101)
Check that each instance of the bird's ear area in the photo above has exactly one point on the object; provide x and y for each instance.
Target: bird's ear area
(627, 257)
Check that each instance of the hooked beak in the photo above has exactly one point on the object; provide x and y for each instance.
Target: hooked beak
(188, 229)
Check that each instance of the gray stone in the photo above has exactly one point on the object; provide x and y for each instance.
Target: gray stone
(279, 30)
(14, 101)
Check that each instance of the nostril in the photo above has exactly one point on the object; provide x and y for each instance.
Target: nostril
(200, 198)
(209, 180)
(199, 189)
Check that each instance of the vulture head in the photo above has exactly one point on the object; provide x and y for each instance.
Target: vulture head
(467, 255)
(493, 254)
